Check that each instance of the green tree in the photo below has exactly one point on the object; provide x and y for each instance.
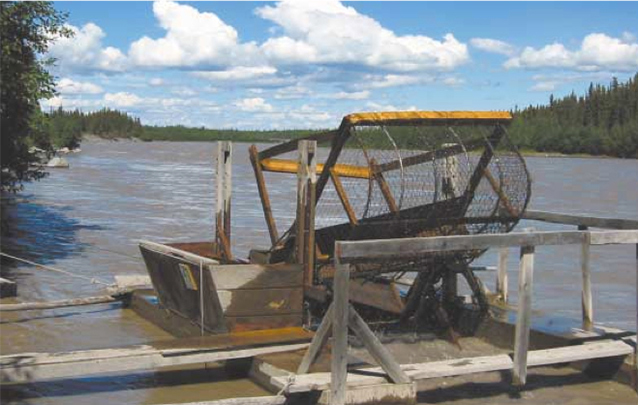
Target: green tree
(26, 30)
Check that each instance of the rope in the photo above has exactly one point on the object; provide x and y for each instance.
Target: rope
(284, 389)
(93, 280)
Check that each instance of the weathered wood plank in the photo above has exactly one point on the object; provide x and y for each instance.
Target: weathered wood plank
(339, 358)
(375, 348)
(27, 367)
(224, 195)
(171, 251)
(267, 400)
(343, 197)
(613, 237)
(571, 219)
(376, 295)
(578, 352)
(499, 191)
(501, 275)
(256, 276)
(292, 145)
(263, 194)
(74, 302)
(318, 342)
(586, 296)
(276, 301)
(388, 249)
(524, 315)
(383, 186)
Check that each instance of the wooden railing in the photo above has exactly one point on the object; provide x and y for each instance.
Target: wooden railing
(352, 252)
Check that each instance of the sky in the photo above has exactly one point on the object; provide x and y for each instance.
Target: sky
(306, 64)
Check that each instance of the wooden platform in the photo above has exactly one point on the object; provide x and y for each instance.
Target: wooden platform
(448, 368)
(30, 367)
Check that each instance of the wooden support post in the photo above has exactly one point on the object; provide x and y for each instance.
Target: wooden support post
(306, 188)
(318, 342)
(383, 186)
(224, 191)
(501, 275)
(339, 369)
(343, 197)
(263, 194)
(587, 304)
(376, 348)
(450, 179)
(524, 315)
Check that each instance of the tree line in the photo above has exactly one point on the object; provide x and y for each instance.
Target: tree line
(604, 121)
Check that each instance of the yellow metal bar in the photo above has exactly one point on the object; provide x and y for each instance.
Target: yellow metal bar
(399, 117)
(291, 166)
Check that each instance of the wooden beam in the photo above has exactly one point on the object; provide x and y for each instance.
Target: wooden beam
(339, 367)
(383, 186)
(501, 275)
(171, 251)
(318, 342)
(8, 288)
(305, 222)
(571, 219)
(292, 167)
(263, 194)
(568, 354)
(499, 191)
(375, 348)
(292, 145)
(343, 197)
(524, 315)
(266, 400)
(405, 248)
(224, 194)
(75, 302)
(613, 237)
(587, 301)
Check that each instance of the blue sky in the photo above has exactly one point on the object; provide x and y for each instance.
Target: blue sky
(299, 64)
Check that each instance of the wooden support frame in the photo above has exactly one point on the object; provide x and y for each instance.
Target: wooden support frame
(499, 191)
(587, 300)
(306, 189)
(501, 275)
(343, 197)
(263, 194)
(377, 174)
(292, 167)
(524, 315)
(293, 145)
(224, 197)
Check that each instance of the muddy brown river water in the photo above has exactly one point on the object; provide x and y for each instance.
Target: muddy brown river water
(89, 218)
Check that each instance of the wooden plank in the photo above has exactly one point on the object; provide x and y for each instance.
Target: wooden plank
(375, 348)
(263, 194)
(499, 191)
(133, 281)
(383, 186)
(613, 237)
(256, 276)
(262, 322)
(501, 275)
(586, 220)
(8, 288)
(74, 302)
(306, 188)
(318, 342)
(343, 197)
(266, 400)
(174, 252)
(376, 295)
(224, 195)
(274, 301)
(594, 350)
(586, 297)
(524, 315)
(292, 167)
(293, 144)
(339, 358)
(388, 249)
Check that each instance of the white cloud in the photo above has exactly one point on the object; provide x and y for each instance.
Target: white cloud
(290, 92)
(493, 45)
(122, 99)
(183, 91)
(453, 81)
(597, 52)
(238, 73)
(156, 81)
(373, 106)
(544, 86)
(356, 95)
(328, 32)
(192, 38)
(69, 86)
(256, 104)
(373, 81)
(84, 51)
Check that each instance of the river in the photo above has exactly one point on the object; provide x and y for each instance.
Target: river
(89, 218)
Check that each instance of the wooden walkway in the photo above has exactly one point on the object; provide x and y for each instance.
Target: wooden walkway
(455, 367)
(31, 367)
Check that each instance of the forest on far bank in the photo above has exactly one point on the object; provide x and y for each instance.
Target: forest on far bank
(604, 121)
